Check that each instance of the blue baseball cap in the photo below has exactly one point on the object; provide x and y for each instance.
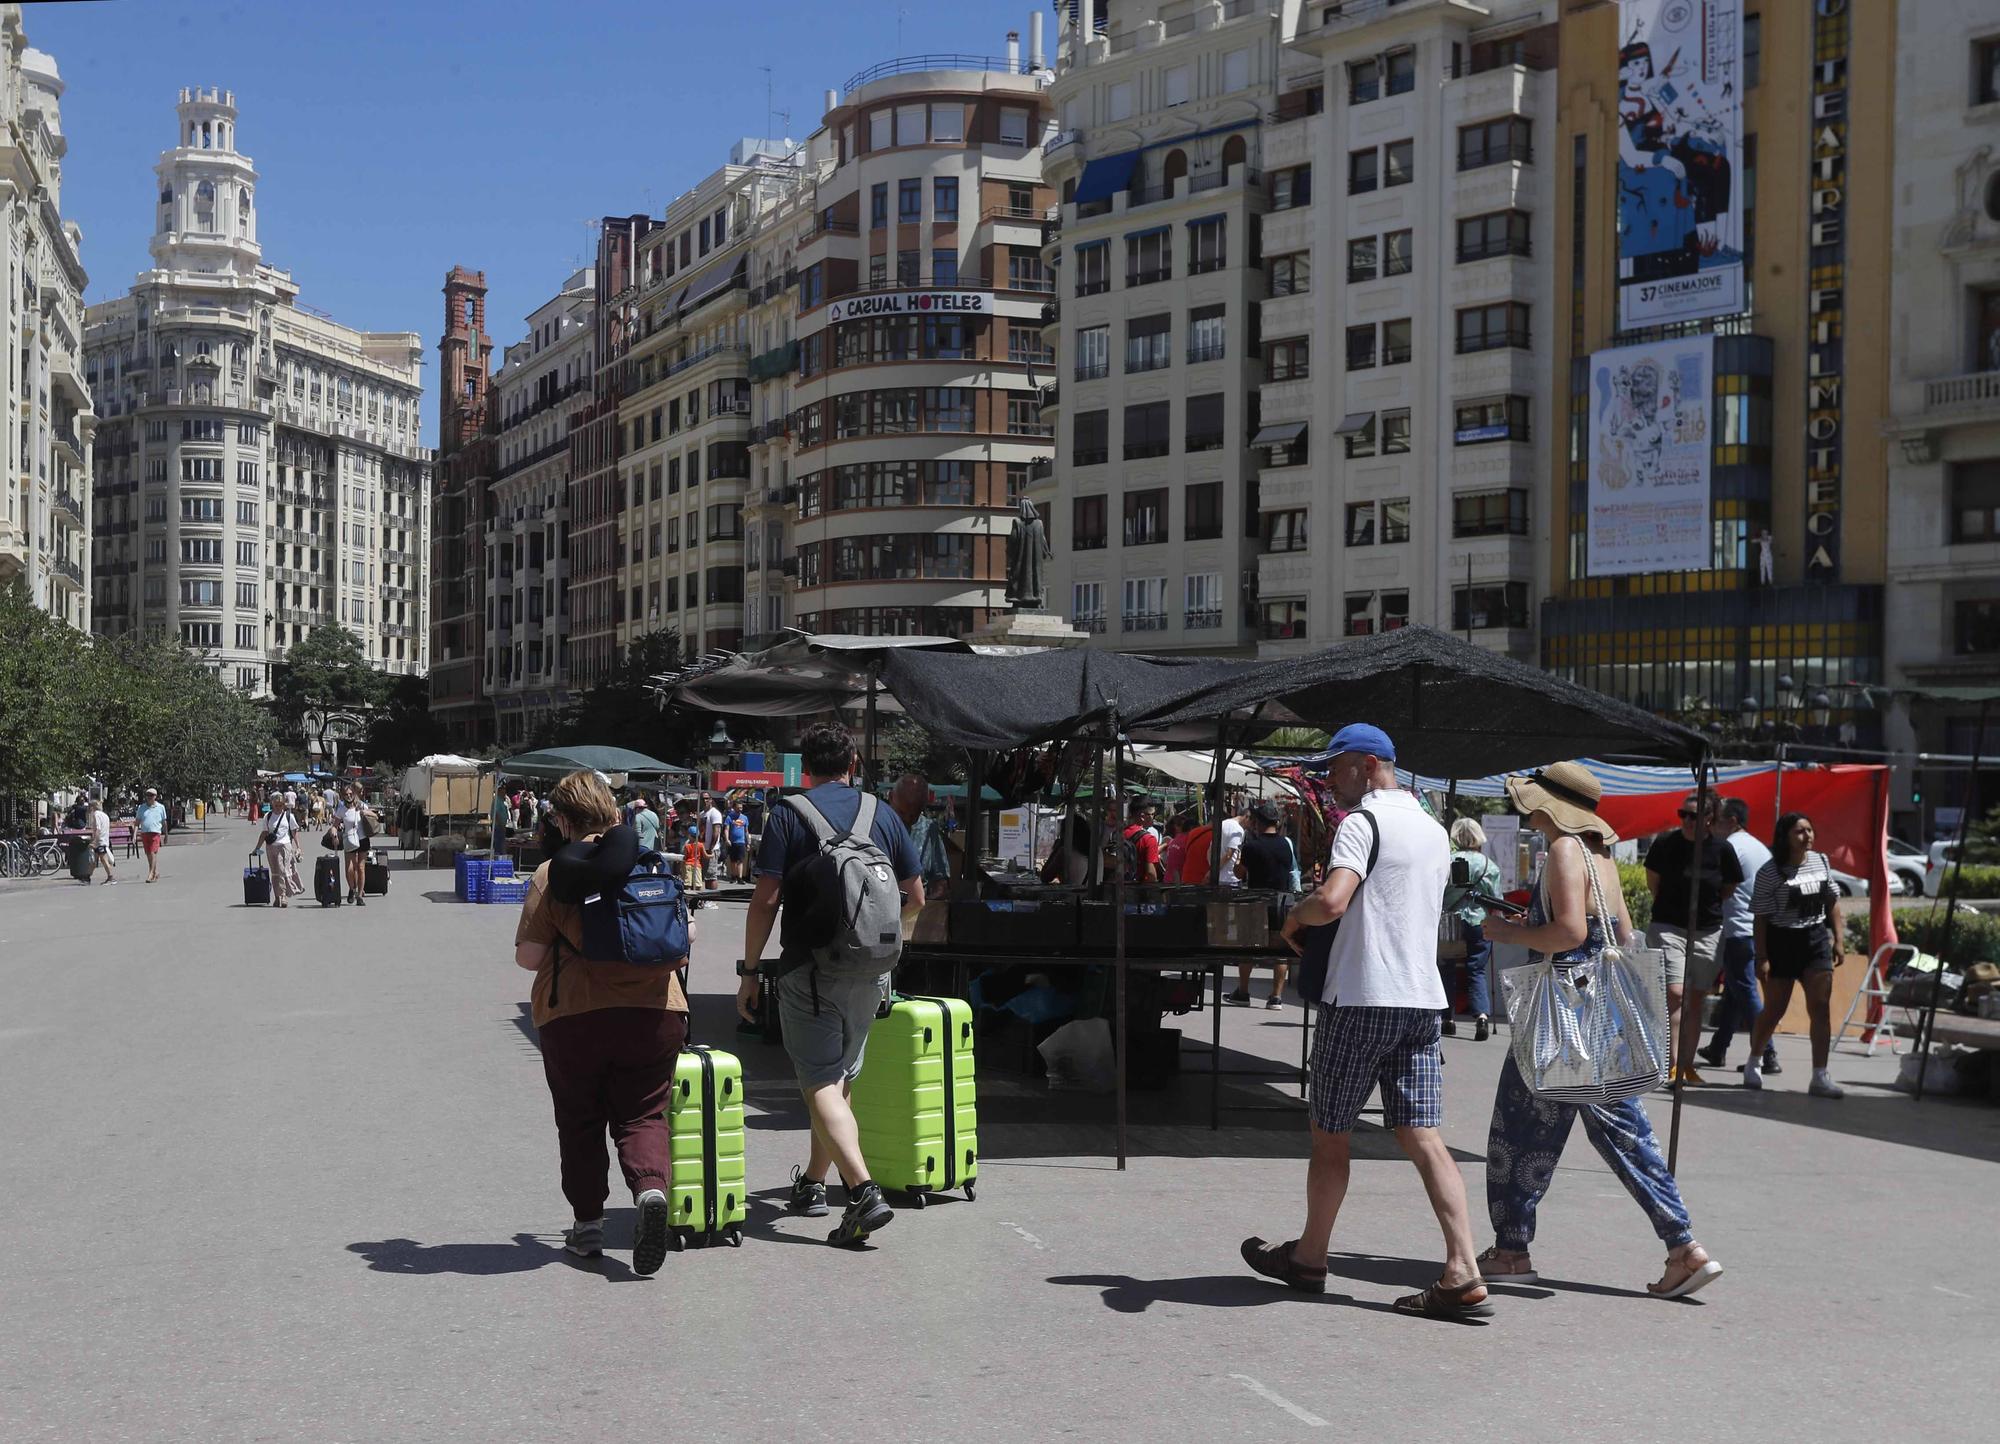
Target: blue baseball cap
(1364, 737)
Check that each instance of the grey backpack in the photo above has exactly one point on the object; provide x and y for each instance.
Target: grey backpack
(842, 903)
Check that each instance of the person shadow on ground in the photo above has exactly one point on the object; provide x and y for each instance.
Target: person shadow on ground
(523, 1254)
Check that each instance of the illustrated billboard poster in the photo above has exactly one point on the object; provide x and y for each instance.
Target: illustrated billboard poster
(1649, 457)
(1680, 161)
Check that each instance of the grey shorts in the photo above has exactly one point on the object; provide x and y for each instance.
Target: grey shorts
(1696, 967)
(826, 1045)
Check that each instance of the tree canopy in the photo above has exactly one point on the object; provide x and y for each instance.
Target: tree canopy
(326, 671)
(623, 710)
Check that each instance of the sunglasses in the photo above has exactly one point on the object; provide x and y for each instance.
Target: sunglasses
(1689, 816)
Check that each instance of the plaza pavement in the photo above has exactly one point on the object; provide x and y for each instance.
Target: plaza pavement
(292, 1177)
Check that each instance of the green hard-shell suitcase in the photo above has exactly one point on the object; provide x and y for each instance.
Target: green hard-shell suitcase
(915, 1100)
(707, 1196)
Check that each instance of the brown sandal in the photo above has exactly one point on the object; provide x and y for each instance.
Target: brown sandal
(1694, 1277)
(1275, 1261)
(1449, 1302)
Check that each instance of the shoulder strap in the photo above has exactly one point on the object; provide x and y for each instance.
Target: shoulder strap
(1374, 837)
(815, 819)
(864, 817)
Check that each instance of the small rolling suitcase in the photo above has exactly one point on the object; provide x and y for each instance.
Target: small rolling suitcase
(708, 1193)
(375, 876)
(326, 880)
(82, 860)
(915, 1100)
(256, 882)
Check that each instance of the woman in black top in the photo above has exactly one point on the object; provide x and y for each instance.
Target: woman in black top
(1797, 913)
(1266, 863)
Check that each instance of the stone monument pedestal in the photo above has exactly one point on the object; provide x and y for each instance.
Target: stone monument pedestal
(1029, 629)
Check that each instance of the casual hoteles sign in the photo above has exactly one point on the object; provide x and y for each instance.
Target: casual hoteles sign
(910, 303)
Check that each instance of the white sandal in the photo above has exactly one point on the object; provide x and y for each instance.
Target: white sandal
(1698, 1276)
(1490, 1270)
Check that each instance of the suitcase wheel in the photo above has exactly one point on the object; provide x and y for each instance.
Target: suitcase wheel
(971, 1190)
(677, 1241)
(735, 1237)
(917, 1199)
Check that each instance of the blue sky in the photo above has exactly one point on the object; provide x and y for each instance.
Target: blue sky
(395, 138)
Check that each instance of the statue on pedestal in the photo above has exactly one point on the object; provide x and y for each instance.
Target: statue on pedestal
(1027, 550)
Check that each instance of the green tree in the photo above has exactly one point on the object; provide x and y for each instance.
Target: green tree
(403, 729)
(624, 710)
(327, 670)
(43, 697)
(906, 747)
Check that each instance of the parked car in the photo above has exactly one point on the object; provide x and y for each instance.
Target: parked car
(1937, 867)
(1906, 867)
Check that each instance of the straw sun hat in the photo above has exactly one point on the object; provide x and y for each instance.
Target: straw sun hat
(1567, 793)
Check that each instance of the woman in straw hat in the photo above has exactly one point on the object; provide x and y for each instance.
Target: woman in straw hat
(1525, 1141)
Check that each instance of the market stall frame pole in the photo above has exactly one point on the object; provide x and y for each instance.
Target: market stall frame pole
(1701, 771)
(1118, 918)
(1971, 800)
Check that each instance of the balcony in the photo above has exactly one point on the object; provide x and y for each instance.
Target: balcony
(1143, 622)
(64, 567)
(1958, 400)
(1287, 400)
(1201, 621)
(707, 353)
(65, 502)
(1092, 622)
(553, 449)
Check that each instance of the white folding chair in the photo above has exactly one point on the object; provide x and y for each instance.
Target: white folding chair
(1888, 958)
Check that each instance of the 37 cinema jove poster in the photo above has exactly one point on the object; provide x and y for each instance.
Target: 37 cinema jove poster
(1680, 161)
(1650, 438)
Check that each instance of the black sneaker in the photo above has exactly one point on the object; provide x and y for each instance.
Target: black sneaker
(808, 1198)
(1770, 1064)
(867, 1212)
(649, 1240)
(1483, 1029)
(1711, 1055)
(1450, 1028)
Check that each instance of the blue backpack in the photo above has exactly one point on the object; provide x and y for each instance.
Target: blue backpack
(644, 922)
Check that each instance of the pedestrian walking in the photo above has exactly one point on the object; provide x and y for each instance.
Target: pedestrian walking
(100, 838)
(290, 800)
(1570, 919)
(711, 838)
(610, 1030)
(355, 824)
(1740, 1003)
(736, 838)
(1378, 1021)
(280, 837)
(1694, 961)
(825, 1010)
(1141, 856)
(1468, 842)
(1797, 911)
(645, 824)
(1269, 865)
(151, 821)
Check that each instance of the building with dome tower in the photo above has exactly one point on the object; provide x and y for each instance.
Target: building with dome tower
(258, 471)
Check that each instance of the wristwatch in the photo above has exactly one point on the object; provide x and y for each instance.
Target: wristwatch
(745, 970)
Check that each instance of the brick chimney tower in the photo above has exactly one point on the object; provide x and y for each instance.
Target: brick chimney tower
(467, 354)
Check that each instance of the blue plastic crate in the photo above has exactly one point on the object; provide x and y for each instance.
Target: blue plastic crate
(506, 889)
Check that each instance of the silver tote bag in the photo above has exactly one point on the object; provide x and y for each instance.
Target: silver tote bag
(1593, 1032)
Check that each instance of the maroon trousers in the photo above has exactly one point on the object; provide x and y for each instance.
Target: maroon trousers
(612, 1069)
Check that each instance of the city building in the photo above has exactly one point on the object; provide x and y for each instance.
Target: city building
(1796, 456)
(542, 382)
(1163, 166)
(1942, 626)
(49, 424)
(258, 471)
(461, 507)
(1406, 326)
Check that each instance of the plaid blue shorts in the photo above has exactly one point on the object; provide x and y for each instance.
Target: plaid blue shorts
(1357, 1048)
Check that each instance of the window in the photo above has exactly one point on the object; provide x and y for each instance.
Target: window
(909, 125)
(947, 408)
(1235, 71)
(1500, 233)
(948, 123)
(1489, 328)
(909, 201)
(1497, 604)
(1395, 611)
(724, 585)
(1362, 259)
(1093, 353)
(906, 268)
(201, 593)
(1364, 81)
(1399, 163)
(1396, 521)
(205, 549)
(1090, 440)
(1494, 141)
(201, 508)
(246, 513)
(1395, 342)
(1204, 511)
(1396, 432)
(1086, 606)
(1149, 257)
(1285, 531)
(1361, 523)
(1282, 621)
(725, 522)
(246, 596)
(1290, 275)
(1204, 424)
(1093, 268)
(1490, 513)
(1149, 343)
(879, 122)
(1176, 85)
(1207, 245)
(201, 634)
(1024, 417)
(1146, 430)
(1143, 604)
(201, 468)
(1364, 171)
(246, 641)
(1293, 187)
(1026, 343)
(944, 198)
(878, 206)
(1975, 501)
(1145, 517)
(1360, 347)
(1986, 72)
(1207, 334)
(1201, 600)
(1358, 612)
(944, 267)
(1288, 360)
(1976, 628)
(1497, 418)
(1087, 529)
(1400, 73)
(1013, 126)
(1396, 253)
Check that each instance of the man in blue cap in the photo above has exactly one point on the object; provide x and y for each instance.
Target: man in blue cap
(1379, 1014)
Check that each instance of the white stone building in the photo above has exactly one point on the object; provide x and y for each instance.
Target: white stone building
(259, 472)
(541, 382)
(1942, 623)
(46, 423)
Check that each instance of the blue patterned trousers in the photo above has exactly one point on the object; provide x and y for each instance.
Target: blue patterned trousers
(1525, 1143)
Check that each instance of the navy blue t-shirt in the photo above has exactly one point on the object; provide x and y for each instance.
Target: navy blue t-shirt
(788, 838)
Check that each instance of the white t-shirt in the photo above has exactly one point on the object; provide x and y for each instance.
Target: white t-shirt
(1385, 954)
(711, 826)
(350, 827)
(1232, 846)
(100, 828)
(281, 826)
